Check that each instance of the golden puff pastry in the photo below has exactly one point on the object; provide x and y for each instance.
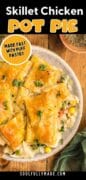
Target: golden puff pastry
(22, 94)
(42, 75)
(6, 108)
(42, 112)
(10, 74)
(20, 78)
(14, 131)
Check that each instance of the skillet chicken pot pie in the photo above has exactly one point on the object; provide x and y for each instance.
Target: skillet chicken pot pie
(37, 105)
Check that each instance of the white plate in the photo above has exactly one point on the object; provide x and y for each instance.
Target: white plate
(57, 61)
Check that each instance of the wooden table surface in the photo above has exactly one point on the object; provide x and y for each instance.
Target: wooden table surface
(78, 64)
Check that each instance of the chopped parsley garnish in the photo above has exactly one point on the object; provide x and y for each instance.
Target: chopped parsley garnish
(62, 128)
(69, 103)
(14, 101)
(42, 67)
(17, 83)
(63, 77)
(38, 83)
(39, 114)
(4, 77)
(12, 95)
(64, 104)
(58, 94)
(5, 105)
(17, 152)
(61, 141)
(30, 57)
(36, 144)
(4, 122)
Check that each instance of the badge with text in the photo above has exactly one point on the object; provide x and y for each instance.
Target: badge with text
(15, 49)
